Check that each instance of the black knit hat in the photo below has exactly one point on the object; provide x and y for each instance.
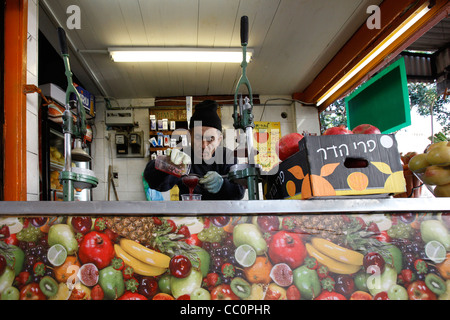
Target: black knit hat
(206, 112)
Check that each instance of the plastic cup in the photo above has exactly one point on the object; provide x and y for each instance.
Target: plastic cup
(191, 197)
(164, 164)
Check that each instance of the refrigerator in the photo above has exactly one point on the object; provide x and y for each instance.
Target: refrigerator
(51, 141)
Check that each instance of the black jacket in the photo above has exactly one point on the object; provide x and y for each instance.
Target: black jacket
(161, 181)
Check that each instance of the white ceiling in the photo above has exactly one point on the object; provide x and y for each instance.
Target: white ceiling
(292, 41)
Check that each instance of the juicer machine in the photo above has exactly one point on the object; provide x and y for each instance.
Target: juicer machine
(249, 173)
(73, 177)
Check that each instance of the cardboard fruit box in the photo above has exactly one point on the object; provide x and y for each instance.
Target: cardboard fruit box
(354, 165)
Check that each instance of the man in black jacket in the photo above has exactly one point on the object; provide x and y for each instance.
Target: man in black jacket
(210, 160)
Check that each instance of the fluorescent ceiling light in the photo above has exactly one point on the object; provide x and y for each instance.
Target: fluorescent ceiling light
(401, 29)
(147, 54)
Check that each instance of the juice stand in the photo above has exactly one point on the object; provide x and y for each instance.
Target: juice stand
(356, 245)
(244, 250)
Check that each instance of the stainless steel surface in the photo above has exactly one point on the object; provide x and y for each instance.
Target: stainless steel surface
(78, 154)
(261, 207)
(250, 150)
(88, 175)
(67, 152)
(239, 167)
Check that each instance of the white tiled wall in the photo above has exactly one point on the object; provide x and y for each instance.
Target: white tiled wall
(130, 170)
(271, 112)
(306, 119)
(32, 103)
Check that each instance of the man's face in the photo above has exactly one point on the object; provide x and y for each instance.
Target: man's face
(205, 141)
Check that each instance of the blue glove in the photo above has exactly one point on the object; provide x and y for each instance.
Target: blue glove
(212, 181)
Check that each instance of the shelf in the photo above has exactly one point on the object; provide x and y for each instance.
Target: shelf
(249, 207)
(154, 134)
(57, 166)
(165, 132)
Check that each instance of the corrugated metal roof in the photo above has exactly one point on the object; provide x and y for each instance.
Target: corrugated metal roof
(427, 58)
(435, 39)
(420, 67)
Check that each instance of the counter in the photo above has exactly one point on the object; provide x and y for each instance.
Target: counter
(336, 249)
(261, 207)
